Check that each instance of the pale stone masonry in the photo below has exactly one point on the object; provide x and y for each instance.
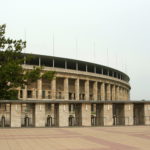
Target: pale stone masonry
(53, 83)
(66, 90)
(40, 115)
(77, 89)
(39, 85)
(95, 91)
(108, 115)
(80, 94)
(87, 90)
(86, 114)
(15, 115)
(63, 115)
(147, 114)
(128, 114)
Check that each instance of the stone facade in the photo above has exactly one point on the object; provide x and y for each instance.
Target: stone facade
(128, 113)
(86, 114)
(15, 115)
(63, 115)
(108, 115)
(75, 84)
(40, 115)
(84, 95)
(147, 114)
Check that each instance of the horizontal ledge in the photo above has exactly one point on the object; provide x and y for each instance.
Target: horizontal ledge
(71, 101)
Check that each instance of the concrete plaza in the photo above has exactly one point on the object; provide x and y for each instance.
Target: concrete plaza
(90, 138)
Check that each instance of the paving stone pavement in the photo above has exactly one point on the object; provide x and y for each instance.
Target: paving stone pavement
(90, 138)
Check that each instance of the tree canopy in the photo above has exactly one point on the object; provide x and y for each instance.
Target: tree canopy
(12, 74)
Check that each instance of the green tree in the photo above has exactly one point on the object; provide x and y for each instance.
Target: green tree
(12, 74)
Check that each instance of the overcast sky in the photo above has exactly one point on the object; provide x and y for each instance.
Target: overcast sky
(120, 30)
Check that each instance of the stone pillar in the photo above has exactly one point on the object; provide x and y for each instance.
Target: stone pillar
(120, 93)
(126, 97)
(86, 114)
(53, 88)
(39, 87)
(66, 90)
(128, 114)
(113, 93)
(25, 93)
(34, 94)
(40, 115)
(77, 89)
(87, 90)
(108, 115)
(63, 115)
(117, 93)
(128, 94)
(147, 114)
(103, 97)
(108, 92)
(15, 115)
(124, 94)
(95, 94)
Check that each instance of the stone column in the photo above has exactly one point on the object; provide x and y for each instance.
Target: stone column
(124, 94)
(126, 98)
(77, 89)
(103, 97)
(25, 92)
(108, 114)
(113, 93)
(86, 114)
(128, 114)
(95, 94)
(108, 92)
(120, 93)
(66, 90)
(15, 115)
(128, 94)
(63, 115)
(34, 93)
(117, 92)
(53, 88)
(87, 90)
(147, 114)
(39, 87)
(40, 115)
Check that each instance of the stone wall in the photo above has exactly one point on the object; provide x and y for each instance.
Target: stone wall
(15, 115)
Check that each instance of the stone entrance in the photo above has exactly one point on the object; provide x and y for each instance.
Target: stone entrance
(138, 114)
(4, 115)
(99, 115)
(27, 115)
(118, 114)
(50, 120)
